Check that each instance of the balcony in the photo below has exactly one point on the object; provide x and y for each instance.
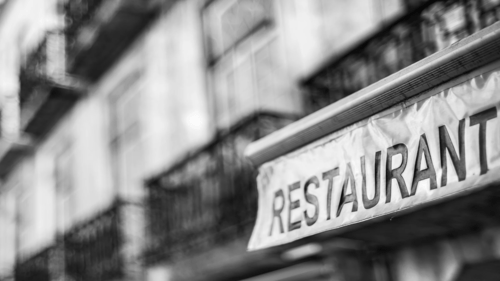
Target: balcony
(11, 152)
(46, 92)
(37, 267)
(100, 31)
(424, 30)
(57, 73)
(209, 198)
(92, 250)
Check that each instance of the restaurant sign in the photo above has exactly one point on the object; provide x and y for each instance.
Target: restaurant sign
(411, 154)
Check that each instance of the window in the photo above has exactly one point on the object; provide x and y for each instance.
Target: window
(243, 50)
(230, 22)
(63, 179)
(56, 59)
(25, 213)
(125, 102)
(244, 81)
(7, 232)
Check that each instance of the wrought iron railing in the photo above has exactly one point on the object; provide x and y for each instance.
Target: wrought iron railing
(32, 77)
(208, 198)
(91, 250)
(36, 268)
(48, 61)
(428, 28)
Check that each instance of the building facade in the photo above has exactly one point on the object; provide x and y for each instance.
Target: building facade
(122, 151)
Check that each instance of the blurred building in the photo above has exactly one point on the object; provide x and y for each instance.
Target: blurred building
(122, 155)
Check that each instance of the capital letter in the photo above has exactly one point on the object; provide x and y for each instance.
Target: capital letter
(446, 144)
(399, 148)
(481, 118)
(344, 199)
(329, 175)
(311, 199)
(370, 203)
(429, 172)
(293, 205)
(277, 212)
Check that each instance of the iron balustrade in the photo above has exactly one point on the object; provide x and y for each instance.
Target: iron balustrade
(432, 26)
(48, 62)
(35, 268)
(91, 250)
(208, 198)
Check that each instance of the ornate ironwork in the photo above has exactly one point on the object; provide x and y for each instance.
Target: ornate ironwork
(32, 76)
(430, 27)
(89, 251)
(36, 268)
(210, 197)
(92, 251)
